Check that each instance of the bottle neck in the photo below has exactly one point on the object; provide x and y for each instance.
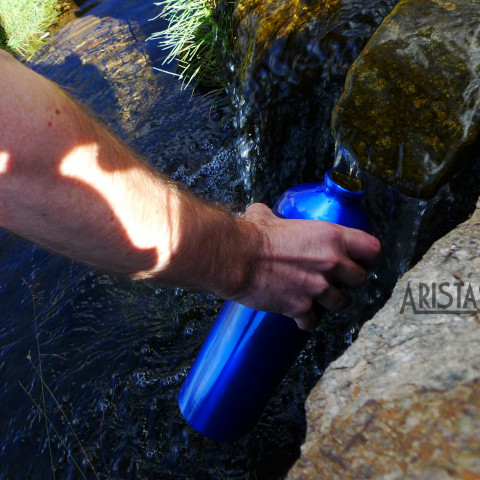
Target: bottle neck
(340, 185)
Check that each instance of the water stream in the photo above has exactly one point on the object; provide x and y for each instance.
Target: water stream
(113, 352)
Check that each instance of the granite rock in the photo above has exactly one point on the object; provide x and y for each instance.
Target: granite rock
(404, 400)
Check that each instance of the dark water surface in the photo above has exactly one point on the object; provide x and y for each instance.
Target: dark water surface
(114, 353)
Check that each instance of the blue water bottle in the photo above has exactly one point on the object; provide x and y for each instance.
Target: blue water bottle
(248, 352)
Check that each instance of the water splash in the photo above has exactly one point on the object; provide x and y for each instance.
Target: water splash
(346, 162)
(285, 99)
(471, 95)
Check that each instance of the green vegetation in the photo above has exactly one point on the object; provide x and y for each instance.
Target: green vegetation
(197, 37)
(23, 23)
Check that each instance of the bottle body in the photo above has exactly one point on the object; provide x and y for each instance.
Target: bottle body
(248, 352)
(245, 357)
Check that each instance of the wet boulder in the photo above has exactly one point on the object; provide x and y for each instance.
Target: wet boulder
(290, 63)
(404, 400)
(410, 109)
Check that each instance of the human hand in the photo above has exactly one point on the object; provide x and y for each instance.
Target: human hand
(300, 262)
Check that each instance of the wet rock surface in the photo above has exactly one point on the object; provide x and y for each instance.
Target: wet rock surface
(411, 106)
(291, 59)
(404, 400)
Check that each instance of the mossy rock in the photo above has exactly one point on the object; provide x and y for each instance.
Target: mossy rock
(411, 102)
(258, 24)
(291, 58)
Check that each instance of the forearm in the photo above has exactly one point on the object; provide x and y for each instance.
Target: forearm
(69, 185)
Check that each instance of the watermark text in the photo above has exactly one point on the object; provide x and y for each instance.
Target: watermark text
(444, 297)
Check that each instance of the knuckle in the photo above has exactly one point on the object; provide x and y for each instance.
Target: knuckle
(258, 213)
(322, 286)
(332, 262)
(315, 286)
(257, 207)
(336, 235)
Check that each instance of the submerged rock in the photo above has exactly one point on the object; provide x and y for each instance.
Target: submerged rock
(411, 104)
(404, 400)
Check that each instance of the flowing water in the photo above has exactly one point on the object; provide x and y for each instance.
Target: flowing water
(114, 353)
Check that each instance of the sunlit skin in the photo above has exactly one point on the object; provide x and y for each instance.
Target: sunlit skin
(68, 184)
(4, 157)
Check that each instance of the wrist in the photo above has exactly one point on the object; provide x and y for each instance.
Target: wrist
(216, 251)
(241, 251)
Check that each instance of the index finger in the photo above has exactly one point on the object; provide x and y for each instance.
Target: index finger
(362, 247)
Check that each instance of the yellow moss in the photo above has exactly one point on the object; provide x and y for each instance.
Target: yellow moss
(411, 89)
(381, 84)
(436, 143)
(420, 102)
(385, 142)
(447, 5)
(280, 18)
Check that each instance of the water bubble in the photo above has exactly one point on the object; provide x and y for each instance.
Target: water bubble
(217, 115)
(144, 378)
(145, 350)
(150, 454)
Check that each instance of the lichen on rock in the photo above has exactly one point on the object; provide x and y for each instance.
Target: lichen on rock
(411, 104)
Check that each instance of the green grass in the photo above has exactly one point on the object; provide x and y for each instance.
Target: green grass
(196, 37)
(23, 24)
